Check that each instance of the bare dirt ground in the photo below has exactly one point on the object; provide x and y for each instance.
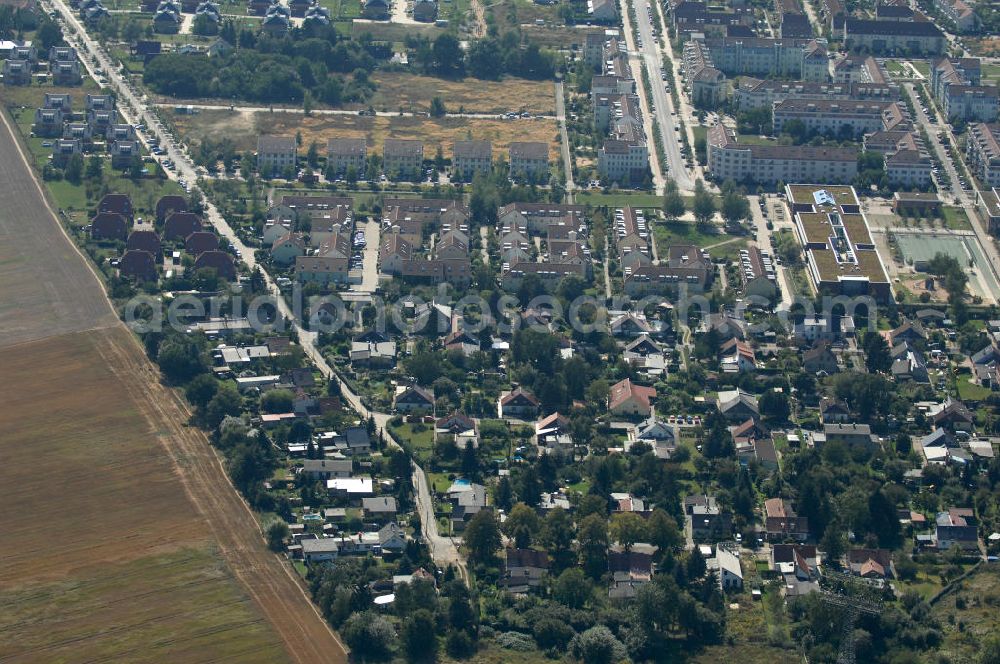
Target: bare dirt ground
(431, 131)
(123, 539)
(414, 93)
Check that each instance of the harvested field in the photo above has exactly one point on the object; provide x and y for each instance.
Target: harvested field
(123, 540)
(243, 128)
(414, 93)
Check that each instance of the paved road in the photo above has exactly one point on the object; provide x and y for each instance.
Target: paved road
(445, 549)
(635, 63)
(652, 54)
(763, 240)
(373, 238)
(967, 199)
(564, 142)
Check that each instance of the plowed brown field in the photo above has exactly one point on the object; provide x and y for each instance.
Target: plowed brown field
(120, 537)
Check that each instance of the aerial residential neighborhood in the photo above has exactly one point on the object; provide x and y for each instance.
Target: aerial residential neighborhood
(523, 331)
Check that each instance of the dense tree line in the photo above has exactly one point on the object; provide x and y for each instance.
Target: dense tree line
(276, 71)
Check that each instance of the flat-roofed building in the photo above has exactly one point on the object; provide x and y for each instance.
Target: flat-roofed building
(343, 154)
(988, 205)
(841, 258)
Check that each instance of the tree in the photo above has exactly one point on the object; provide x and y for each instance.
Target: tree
(312, 155)
(74, 169)
(95, 167)
(201, 390)
(277, 531)
(662, 531)
(552, 633)
(627, 528)
(774, 406)
(482, 537)
(459, 644)
(277, 401)
(704, 203)
(572, 588)
(735, 205)
(521, 525)
(369, 636)
(179, 358)
(226, 402)
(592, 535)
(447, 55)
(673, 203)
(135, 168)
(877, 355)
(419, 640)
(557, 534)
(597, 646)
(438, 109)
(990, 650)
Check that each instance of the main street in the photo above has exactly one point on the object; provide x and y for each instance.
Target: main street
(966, 199)
(665, 113)
(645, 104)
(135, 111)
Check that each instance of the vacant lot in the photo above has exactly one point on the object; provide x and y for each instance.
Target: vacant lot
(969, 615)
(414, 93)
(243, 128)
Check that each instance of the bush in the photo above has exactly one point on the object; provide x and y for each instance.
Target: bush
(459, 644)
(516, 641)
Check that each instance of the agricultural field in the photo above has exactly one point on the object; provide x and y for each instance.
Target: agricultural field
(414, 93)
(244, 127)
(122, 540)
(123, 550)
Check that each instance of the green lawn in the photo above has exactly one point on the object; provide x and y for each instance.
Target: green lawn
(421, 443)
(670, 233)
(956, 219)
(971, 391)
(754, 139)
(598, 199)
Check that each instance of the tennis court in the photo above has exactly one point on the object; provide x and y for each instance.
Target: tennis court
(919, 248)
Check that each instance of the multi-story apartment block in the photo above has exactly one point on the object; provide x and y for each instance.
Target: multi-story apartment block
(983, 152)
(276, 153)
(801, 59)
(402, 158)
(706, 83)
(768, 164)
(909, 168)
(853, 117)
(860, 69)
(624, 157)
(469, 158)
(755, 93)
(343, 154)
(955, 84)
(971, 103)
(960, 13)
(892, 36)
(529, 160)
